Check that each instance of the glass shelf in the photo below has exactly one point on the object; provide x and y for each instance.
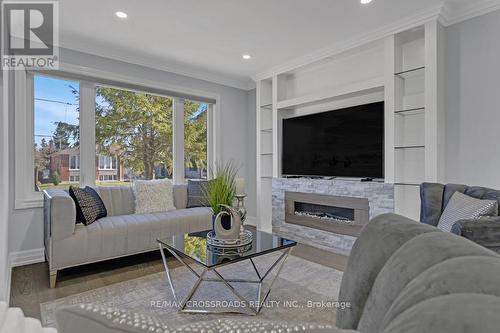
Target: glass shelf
(419, 71)
(267, 130)
(266, 154)
(267, 106)
(406, 184)
(409, 147)
(410, 111)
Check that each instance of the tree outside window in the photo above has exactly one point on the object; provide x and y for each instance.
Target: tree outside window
(57, 133)
(195, 139)
(134, 135)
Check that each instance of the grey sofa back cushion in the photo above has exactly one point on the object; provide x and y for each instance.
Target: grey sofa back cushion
(431, 203)
(453, 276)
(119, 200)
(195, 190)
(180, 196)
(450, 314)
(422, 252)
(448, 191)
(378, 241)
(483, 193)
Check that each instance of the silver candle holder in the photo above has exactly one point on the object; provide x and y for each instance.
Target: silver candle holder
(240, 207)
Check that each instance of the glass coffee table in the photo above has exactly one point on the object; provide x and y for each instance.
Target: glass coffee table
(192, 248)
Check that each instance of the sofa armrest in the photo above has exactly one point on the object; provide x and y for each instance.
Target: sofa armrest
(60, 214)
(485, 231)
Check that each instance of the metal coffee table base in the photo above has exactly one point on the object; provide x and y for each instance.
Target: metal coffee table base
(261, 296)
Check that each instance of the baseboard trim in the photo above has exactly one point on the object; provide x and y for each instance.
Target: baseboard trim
(27, 257)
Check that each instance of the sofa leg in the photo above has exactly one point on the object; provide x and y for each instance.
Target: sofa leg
(53, 278)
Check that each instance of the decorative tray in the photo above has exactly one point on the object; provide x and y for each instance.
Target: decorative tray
(245, 239)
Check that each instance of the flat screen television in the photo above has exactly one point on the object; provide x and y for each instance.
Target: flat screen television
(340, 143)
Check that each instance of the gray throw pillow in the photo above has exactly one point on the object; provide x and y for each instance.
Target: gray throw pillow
(464, 207)
(195, 193)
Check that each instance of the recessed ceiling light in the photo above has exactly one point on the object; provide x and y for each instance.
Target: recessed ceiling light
(246, 56)
(365, 2)
(121, 15)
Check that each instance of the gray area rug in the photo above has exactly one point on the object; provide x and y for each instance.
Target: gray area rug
(304, 291)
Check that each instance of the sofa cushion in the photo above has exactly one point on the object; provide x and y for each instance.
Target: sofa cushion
(116, 236)
(89, 206)
(422, 252)
(153, 196)
(449, 190)
(195, 193)
(431, 198)
(180, 196)
(379, 239)
(453, 276)
(450, 314)
(119, 200)
(483, 193)
(464, 207)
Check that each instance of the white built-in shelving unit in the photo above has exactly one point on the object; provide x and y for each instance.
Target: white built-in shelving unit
(264, 151)
(416, 99)
(403, 69)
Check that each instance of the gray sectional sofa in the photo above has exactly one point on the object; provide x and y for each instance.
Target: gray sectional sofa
(121, 233)
(434, 199)
(402, 277)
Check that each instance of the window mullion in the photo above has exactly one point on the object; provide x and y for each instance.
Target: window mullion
(87, 135)
(211, 142)
(178, 141)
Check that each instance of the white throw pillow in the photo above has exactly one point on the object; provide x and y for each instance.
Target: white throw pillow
(464, 207)
(153, 196)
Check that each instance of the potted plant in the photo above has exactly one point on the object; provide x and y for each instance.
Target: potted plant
(221, 190)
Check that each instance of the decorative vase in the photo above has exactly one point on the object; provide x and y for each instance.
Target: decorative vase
(233, 232)
(225, 220)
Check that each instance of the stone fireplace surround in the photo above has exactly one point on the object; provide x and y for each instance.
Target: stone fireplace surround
(380, 198)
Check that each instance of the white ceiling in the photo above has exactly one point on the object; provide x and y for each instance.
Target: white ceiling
(208, 37)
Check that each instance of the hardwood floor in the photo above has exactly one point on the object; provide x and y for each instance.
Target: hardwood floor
(30, 284)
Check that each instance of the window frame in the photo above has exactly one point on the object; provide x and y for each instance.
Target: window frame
(77, 162)
(113, 166)
(26, 196)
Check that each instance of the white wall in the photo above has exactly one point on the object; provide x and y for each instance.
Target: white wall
(26, 226)
(473, 101)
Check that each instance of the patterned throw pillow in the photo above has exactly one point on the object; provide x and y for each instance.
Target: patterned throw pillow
(89, 206)
(195, 193)
(153, 196)
(464, 207)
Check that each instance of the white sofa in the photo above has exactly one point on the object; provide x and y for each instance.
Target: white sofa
(121, 233)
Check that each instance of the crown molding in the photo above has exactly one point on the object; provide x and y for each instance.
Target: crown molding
(444, 13)
(450, 15)
(360, 40)
(162, 65)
